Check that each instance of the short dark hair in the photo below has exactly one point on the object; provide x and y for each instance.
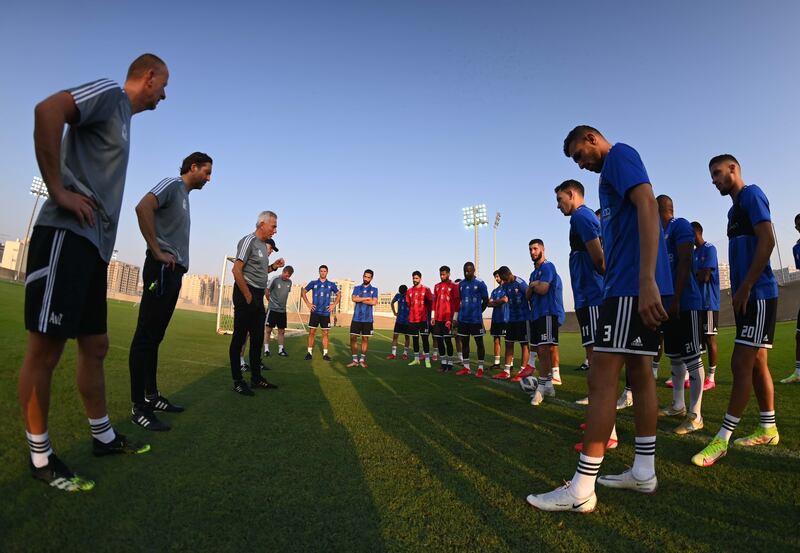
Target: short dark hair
(416, 273)
(796, 217)
(697, 226)
(577, 133)
(598, 212)
(467, 264)
(723, 158)
(536, 241)
(370, 271)
(323, 267)
(661, 197)
(144, 63)
(403, 289)
(457, 280)
(195, 158)
(570, 184)
(496, 273)
(444, 268)
(504, 272)
(289, 269)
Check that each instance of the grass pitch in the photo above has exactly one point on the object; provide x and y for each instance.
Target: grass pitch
(389, 458)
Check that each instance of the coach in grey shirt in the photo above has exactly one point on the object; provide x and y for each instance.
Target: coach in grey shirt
(164, 220)
(278, 293)
(65, 286)
(250, 271)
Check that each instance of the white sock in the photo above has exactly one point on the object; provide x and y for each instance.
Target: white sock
(444, 360)
(324, 352)
(355, 358)
(767, 419)
(241, 361)
(614, 433)
(405, 350)
(586, 361)
(508, 368)
(310, 350)
(266, 347)
(644, 459)
(556, 372)
(102, 430)
(280, 348)
(697, 377)
(480, 364)
(416, 355)
(466, 364)
(729, 423)
(496, 359)
(394, 350)
(436, 352)
(362, 357)
(678, 376)
(460, 356)
(40, 447)
(585, 476)
(656, 366)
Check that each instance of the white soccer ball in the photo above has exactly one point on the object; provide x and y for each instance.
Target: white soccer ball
(529, 384)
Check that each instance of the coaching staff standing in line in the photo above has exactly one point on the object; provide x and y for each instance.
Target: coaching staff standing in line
(164, 219)
(250, 273)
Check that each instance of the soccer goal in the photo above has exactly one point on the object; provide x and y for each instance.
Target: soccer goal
(294, 323)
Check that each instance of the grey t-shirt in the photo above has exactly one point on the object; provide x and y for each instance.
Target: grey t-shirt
(278, 294)
(253, 252)
(172, 218)
(94, 160)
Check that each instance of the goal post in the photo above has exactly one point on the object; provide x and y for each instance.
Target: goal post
(294, 320)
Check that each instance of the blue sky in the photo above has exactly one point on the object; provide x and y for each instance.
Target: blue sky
(368, 125)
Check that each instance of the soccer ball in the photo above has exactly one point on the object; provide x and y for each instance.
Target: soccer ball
(529, 384)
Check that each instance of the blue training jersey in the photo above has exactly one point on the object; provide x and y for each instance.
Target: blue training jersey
(678, 233)
(705, 257)
(473, 295)
(796, 252)
(322, 294)
(518, 307)
(500, 312)
(622, 171)
(402, 308)
(551, 303)
(362, 313)
(750, 208)
(587, 283)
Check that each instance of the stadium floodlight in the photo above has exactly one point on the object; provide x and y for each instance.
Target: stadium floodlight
(38, 189)
(474, 218)
(494, 238)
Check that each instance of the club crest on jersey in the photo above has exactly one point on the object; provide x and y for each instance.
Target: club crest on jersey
(260, 254)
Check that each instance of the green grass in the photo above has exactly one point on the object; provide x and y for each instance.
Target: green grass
(381, 459)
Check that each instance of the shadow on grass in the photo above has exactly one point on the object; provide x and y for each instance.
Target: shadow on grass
(490, 451)
(275, 472)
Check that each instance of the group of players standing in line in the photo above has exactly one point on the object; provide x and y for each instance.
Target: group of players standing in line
(629, 259)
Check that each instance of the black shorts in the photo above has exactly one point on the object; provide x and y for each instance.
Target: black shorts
(620, 329)
(683, 337)
(544, 331)
(276, 319)
(517, 331)
(65, 285)
(587, 320)
(757, 326)
(401, 328)
(360, 328)
(317, 320)
(498, 330)
(471, 329)
(440, 331)
(710, 322)
(418, 328)
(798, 320)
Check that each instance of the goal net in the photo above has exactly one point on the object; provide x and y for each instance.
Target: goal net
(294, 322)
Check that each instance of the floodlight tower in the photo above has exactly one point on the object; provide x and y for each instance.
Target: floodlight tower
(38, 189)
(494, 238)
(475, 217)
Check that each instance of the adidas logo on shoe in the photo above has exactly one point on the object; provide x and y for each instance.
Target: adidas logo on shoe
(637, 342)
